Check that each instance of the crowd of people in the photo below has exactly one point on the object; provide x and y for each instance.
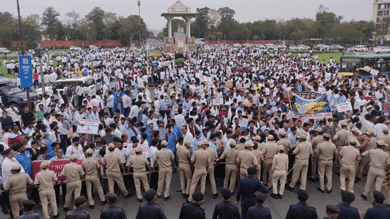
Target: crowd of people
(219, 116)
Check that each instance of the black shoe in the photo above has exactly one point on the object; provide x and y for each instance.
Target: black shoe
(104, 202)
(66, 209)
(56, 216)
(363, 197)
(139, 200)
(357, 180)
(187, 201)
(91, 206)
(319, 189)
(128, 195)
(184, 195)
(289, 188)
(215, 196)
(312, 179)
(275, 196)
(159, 196)
(330, 191)
(167, 198)
(5, 211)
(279, 196)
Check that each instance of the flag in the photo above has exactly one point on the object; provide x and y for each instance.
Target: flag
(312, 108)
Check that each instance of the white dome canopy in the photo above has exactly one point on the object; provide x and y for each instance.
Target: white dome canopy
(179, 7)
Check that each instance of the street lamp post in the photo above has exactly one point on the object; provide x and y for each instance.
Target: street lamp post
(139, 22)
(39, 51)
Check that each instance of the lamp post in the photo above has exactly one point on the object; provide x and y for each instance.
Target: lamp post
(139, 22)
(39, 51)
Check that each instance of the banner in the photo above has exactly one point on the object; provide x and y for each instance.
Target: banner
(87, 126)
(312, 108)
(218, 101)
(386, 109)
(145, 152)
(55, 166)
(344, 107)
(25, 69)
(229, 84)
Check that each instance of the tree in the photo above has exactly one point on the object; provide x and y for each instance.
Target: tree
(5, 16)
(130, 29)
(325, 22)
(95, 20)
(226, 27)
(50, 19)
(348, 33)
(200, 26)
(72, 26)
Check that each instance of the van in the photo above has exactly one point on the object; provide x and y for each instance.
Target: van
(89, 84)
(360, 48)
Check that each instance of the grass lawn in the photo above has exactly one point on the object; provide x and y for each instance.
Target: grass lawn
(336, 56)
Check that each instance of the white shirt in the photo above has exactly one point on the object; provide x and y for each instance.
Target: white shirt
(179, 119)
(6, 169)
(71, 149)
(122, 154)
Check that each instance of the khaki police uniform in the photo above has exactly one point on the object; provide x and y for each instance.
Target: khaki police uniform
(269, 151)
(279, 171)
(386, 138)
(210, 171)
(352, 138)
(16, 186)
(164, 158)
(240, 147)
(259, 156)
(341, 137)
(90, 167)
(349, 157)
(200, 159)
(365, 159)
(231, 169)
(286, 144)
(45, 180)
(113, 168)
(314, 165)
(379, 160)
(184, 157)
(139, 173)
(325, 151)
(302, 153)
(72, 171)
(246, 159)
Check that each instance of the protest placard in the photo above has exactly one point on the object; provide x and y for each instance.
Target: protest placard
(344, 107)
(87, 126)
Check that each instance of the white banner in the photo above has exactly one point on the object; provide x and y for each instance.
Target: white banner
(87, 127)
(344, 107)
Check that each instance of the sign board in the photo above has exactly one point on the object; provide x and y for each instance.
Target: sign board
(25, 69)
(229, 84)
(207, 79)
(344, 107)
(290, 115)
(381, 41)
(145, 151)
(243, 122)
(87, 127)
(218, 101)
(386, 109)
(374, 72)
(55, 166)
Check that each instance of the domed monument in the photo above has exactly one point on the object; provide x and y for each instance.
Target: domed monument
(179, 41)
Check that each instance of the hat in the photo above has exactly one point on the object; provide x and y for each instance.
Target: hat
(385, 130)
(344, 124)
(303, 195)
(188, 143)
(347, 197)
(89, 151)
(205, 142)
(226, 193)
(138, 150)
(248, 144)
(15, 167)
(45, 164)
(232, 143)
(270, 137)
(355, 130)
(164, 143)
(197, 196)
(381, 142)
(302, 136)
(111, 198)
(353, 142)
(74, 157)
(333, 209)
(252, 171)
(282, 133)
(111, 146)
(379, 197)
(199, 144)
(258, 138)
(326, 135)
(319, 129)
(261, 197)
(280, 148)
(149, 195)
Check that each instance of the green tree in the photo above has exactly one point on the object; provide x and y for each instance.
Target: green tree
(130, 29)
(50, 19)
(226, 27)
(96, 23)
(199, 27)
(325, 22)
(72, 26)
(348, 33)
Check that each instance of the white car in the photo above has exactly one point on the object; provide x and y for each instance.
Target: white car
(292, 47)
(89, 85)
(4, 51)
(361, 48)
(381, 49)
(74, 48)
(303, 47)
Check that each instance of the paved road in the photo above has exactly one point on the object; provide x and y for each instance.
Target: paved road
(278, 207)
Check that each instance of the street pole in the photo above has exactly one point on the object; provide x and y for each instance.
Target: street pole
(23, 53)
(139, 23)
(41, 72)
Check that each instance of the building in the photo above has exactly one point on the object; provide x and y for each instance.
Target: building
(381, 9)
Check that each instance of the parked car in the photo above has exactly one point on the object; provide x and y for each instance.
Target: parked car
(4, 81)
(336, 47)
(321, 47)
(14, 94)
(93, 47)
(303, 47)
(74, 48)
(381, 49)
(361, 48)
(89, 85)
(4, 51)
(292, 47)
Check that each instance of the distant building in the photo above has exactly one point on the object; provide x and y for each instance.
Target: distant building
(381, 9)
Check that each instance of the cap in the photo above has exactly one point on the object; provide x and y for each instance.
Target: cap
(385, 130)
(138, 150)
(319, 129)
(326, 135)
(258, 138)
(280, 148)
(261, 197)
(226, 193)
(353, 142)
(379, 197)
(303, 195)
(15, 167)
(205, 142)
(282, 133)
(164, 143)
(347, 197)
(74, 157)
(302, 136)
(381, 142)
(369, 132)
(111, 146)
(355, 130)
(270, 137)
(248, 144)
(188, 143)
(45, 164)
(232, 143)
(199, 144)
(89, 151)
(333, 209)
(112, 197)
(344, 124)
(252, 171)
(197, 196)
(149, 195)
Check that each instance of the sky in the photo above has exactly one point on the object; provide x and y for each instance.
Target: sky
(246, 10)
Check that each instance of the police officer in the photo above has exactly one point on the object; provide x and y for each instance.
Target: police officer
(150, 210)
(355, 136)
(346, 210)
(78, 212)
(302, 152)
(45, 180)
(246, 190)
(284, 142)
(139, 172)
(269, 151)
(342, 135)
(259, 211)
(200, 161)
(379, 161)
(112, 211)
(279, 171)
(332, 212)
(379, 210)
(28, 206)
(164, 159)
(193, 210)
(210, 171)
(72, 171)
(91, 168)
(259, 156)
(349, 158)
(369, 143)
(183, 159)
(113, 164)
(325, 152)
(246, 159)
(16, 187)
(301, 210)
(226, 209)
(318, 139)
(386, 138)
(231, 169)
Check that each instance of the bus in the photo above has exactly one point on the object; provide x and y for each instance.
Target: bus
(350, 65)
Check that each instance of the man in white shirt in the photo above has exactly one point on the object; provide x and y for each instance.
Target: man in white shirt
(74, 148)
(179, 118)
(8, 161)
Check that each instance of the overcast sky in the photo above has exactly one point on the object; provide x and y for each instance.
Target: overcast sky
(246, 10)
